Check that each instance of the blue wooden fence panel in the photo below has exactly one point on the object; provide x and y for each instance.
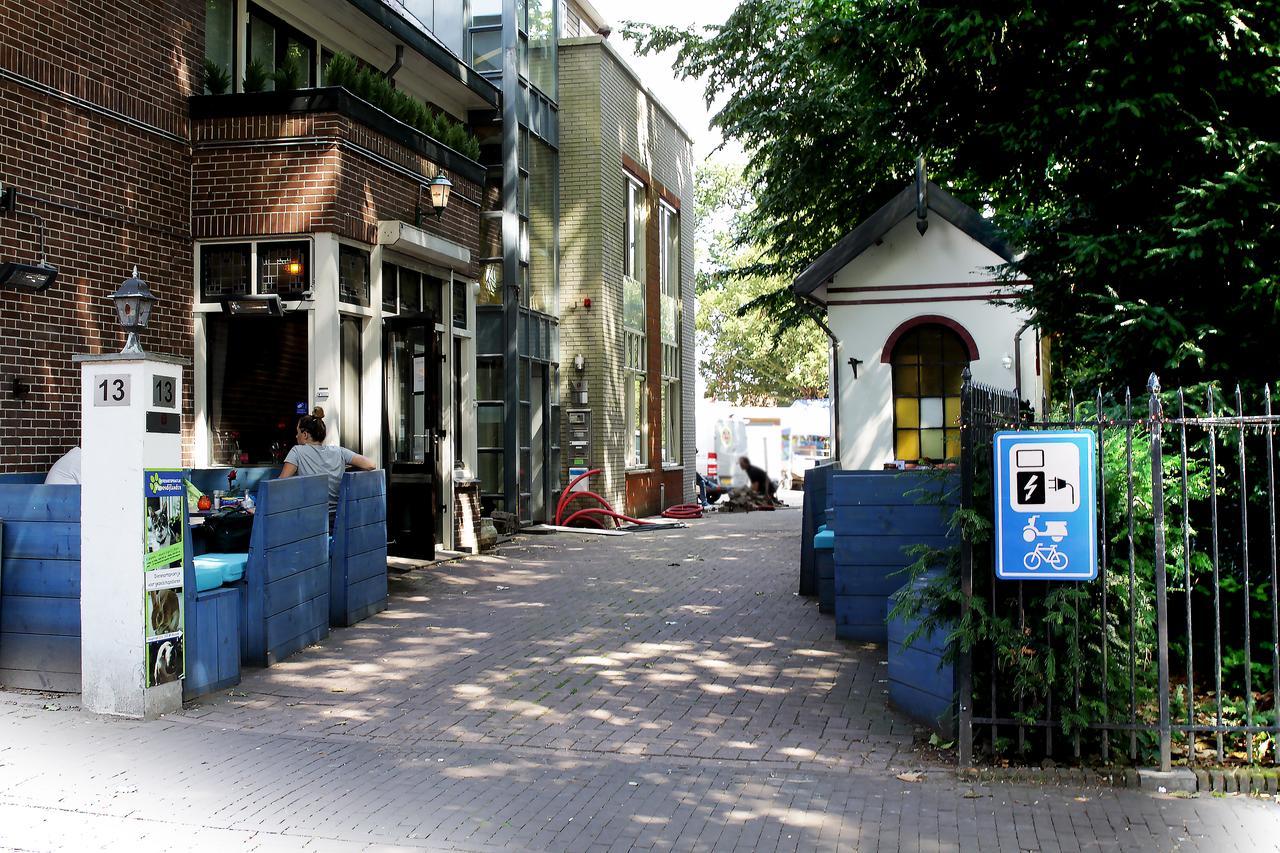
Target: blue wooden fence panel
(284, 603)
(358, 562)
(39, 584)
(813, 515)
(876, 515)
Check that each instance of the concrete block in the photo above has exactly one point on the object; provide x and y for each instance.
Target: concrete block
(1177, 779)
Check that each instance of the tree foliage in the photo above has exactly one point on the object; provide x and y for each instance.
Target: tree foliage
(1129, 150)
(746, 355)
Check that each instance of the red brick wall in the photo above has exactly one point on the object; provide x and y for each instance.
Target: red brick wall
(112, 185)
(325, 179)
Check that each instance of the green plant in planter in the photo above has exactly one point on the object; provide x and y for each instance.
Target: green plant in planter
(372, 86)
(256, 77)
(216, 79)
(290, 75)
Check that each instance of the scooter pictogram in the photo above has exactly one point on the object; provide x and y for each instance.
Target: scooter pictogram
(1055, 530)
(1045, 554)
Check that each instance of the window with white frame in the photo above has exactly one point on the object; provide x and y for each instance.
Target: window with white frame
(635, 374)
(634, 378)
(281, 267)
(669, 250)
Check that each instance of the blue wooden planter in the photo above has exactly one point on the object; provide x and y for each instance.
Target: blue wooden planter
(358, 562)
(824, 569)
(876, 516)
(284, 597)
(39, 584)
(921, 684)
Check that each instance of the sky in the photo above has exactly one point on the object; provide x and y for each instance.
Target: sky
(683, 99)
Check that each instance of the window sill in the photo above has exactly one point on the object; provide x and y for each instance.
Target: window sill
(672, 466)
(637, 471)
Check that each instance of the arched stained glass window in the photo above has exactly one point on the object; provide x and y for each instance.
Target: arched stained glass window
(928, 362)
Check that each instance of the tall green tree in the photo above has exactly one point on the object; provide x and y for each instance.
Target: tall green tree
(1131, 151)
(745, 355)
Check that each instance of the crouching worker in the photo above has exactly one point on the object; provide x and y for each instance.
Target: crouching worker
(759, 480)
(311, 456)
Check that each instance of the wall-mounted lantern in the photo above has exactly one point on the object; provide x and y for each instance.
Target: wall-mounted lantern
(440, 186)
(133, 309)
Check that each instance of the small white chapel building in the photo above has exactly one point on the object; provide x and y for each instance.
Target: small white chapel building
(912, 298)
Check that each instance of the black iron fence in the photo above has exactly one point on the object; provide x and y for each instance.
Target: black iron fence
(1173, 652)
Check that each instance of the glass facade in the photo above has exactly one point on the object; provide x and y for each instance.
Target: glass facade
(517, 335)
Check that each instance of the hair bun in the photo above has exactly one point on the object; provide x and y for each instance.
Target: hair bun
(317, 412)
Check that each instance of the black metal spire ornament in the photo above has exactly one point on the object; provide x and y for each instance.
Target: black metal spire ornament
(922, 197)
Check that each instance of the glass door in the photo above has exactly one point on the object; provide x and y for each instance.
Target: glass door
(411, 367)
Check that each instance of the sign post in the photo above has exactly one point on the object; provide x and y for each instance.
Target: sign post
(1046, 506)
(132, 527)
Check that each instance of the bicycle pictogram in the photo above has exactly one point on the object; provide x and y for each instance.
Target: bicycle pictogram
(1045, 554)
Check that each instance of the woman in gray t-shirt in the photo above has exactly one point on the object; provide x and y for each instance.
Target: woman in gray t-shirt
(311, 456)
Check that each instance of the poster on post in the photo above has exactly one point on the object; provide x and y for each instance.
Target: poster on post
(164, 533)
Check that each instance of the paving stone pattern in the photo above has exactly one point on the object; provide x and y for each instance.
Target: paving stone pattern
(659, 691)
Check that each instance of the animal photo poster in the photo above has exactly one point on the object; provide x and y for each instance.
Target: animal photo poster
(164, 532)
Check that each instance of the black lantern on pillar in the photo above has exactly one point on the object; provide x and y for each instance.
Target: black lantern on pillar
(133, 309)
(440, 186)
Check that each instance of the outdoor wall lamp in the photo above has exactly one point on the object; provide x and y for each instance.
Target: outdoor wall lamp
(37, 277)
(440, 186)
(133, 309)
(1006, 361)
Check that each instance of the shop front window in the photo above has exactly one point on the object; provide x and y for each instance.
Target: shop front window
(257, 386)
(353, 276)
(284, 269)
(349, 431)
(224, 271)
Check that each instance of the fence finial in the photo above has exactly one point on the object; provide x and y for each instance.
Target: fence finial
(1153, 384)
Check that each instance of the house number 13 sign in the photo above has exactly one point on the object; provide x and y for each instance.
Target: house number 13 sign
(111, 389)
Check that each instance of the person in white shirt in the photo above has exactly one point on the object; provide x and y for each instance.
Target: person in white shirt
(66, 471)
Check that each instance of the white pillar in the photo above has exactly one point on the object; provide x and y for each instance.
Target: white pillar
(130, 423)
(326, 341)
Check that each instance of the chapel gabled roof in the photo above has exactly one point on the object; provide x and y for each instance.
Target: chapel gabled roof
(874, 227)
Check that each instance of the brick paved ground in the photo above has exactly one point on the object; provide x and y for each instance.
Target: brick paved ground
(658, 691)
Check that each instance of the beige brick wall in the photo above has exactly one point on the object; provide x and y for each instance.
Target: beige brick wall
(604, 115)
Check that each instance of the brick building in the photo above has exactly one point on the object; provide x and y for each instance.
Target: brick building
(288, 234)
(626, 164)
(286, 227)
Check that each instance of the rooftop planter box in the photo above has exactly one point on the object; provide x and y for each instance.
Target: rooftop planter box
(335, 99)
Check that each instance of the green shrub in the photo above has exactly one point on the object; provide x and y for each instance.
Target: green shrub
(256, 76)
(290, 75)
(373, 86)
(216, 79)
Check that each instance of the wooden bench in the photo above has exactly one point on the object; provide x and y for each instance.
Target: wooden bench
(39, 584)
(358, 558)
(284, 596)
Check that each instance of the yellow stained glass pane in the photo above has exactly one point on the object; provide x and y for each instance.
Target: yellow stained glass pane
(906, 412)
(905, 382)
(932, 444)
(953, 444)
(907, 445)
(952, 405)
(905, 355)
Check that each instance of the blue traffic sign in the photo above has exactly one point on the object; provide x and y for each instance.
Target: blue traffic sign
(1046, 506)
